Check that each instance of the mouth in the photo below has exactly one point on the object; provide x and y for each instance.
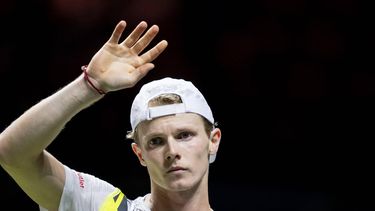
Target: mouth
(176, 169)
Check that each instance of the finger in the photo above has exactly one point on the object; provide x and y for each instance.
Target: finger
(116, 34)
(140, 72)
(135, 34)
(144, 69)
(146, 39)
(154, 52)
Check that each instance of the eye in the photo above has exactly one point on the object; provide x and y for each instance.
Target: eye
(184, 135)
(155, 142)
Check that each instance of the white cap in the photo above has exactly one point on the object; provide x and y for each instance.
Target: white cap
(192, 101)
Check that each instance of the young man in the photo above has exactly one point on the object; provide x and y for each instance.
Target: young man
(172, 127)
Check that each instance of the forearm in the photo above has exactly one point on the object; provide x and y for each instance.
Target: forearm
(34, 130)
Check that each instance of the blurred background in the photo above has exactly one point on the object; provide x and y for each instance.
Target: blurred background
(290, 83)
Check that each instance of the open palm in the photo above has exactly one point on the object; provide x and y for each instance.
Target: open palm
(121, 65)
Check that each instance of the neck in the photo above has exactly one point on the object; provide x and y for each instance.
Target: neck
(195, 198)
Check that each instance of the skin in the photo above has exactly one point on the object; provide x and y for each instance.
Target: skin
(175, 150)
(116, 66)
(23, 155)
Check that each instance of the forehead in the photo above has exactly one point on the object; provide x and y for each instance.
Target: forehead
(170, 122)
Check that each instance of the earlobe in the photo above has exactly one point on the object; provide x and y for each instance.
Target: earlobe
(138, 152)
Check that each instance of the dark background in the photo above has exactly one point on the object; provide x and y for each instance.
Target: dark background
(291, 85)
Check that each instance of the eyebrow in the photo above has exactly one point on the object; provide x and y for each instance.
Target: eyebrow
(175, 131)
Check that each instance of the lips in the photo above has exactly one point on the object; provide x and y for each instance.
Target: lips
(176, 169)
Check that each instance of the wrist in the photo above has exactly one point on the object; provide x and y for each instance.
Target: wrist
(91, 82)
(84, 92)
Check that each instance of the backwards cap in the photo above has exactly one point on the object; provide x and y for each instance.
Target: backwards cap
(192, 101)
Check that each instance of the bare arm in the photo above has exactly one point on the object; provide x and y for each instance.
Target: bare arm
(22, 145)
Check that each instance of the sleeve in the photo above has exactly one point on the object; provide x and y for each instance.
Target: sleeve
(83, 191)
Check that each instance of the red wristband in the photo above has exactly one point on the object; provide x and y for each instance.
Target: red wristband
(86, 77)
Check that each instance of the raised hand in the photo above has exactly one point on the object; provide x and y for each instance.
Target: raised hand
(121, 65)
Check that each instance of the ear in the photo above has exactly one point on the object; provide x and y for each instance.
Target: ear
(138, 152)
(215, 138)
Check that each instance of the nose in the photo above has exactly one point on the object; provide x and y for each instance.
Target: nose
(172, 150)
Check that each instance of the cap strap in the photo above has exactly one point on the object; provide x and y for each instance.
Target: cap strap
(164, 110)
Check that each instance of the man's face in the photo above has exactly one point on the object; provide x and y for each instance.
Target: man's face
(175, 150)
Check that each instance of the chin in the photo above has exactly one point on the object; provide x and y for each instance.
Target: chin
(181, 185)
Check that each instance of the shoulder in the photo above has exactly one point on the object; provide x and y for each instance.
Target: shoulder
(81, 181)
(83, 190)
(118, 201)
(139, 204)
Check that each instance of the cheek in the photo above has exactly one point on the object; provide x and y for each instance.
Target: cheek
(155, 164)
(153, 157)
(199, 149)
